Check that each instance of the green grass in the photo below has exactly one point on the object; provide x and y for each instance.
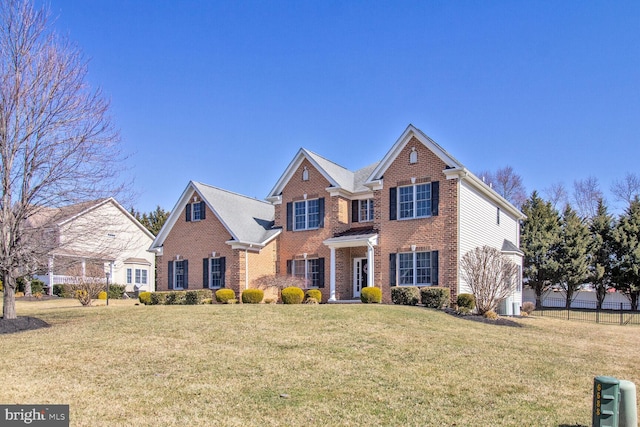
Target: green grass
(349, 365)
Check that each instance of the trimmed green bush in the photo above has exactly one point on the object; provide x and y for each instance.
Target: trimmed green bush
(36, 286)
(102, 295)
(435, 297)
(145, 298)
(224, 295)
(252, 296)
(61, 291)
(466, 301)
(116, 291)
(157, 298)
(191, 298)
(313, 293)
(405, 295)
(292, 295)
(370, 295)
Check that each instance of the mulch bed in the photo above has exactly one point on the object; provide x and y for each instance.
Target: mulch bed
(22, 323)
(500, 321)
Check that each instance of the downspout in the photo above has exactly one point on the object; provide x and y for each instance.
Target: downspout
(246, 268)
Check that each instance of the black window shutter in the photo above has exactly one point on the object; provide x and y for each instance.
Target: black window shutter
(393, 203)
(170, 275)
(289, 216)
(321, 212)
(355, 217)
(205, 272)
(223, 271)
(203, 210)
(435, 198)
(289, 267)
(392, 269)
(185, 265)
(434, 268)
(187, 212)
(320, 283)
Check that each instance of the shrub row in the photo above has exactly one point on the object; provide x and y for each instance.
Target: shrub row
(252, 296)
(430, 296)
(65, 291)
(199, 296)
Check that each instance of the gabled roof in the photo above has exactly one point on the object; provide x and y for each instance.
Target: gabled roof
(249, 221)
(65, 214)
(338, 176)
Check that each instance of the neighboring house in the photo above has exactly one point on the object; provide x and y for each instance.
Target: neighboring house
(214, 238)
(94, 238)
(404, 221)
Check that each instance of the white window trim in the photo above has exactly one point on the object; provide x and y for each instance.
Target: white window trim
(414, 201)
(307, 273)
(306, 215)
(193, 212)
(414, 269)
(175, 276)
(210, 284)
(369, 210)
(129, 274)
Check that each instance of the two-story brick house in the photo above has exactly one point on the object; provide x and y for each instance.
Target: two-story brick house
(406, 220)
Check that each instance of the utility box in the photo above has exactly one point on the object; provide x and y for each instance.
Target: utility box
(606, 400)
(628, 412)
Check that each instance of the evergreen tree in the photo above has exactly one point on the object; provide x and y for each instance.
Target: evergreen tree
(540, 234)
(626, 238)
(571, 253)
(601, 252)
(153, 221)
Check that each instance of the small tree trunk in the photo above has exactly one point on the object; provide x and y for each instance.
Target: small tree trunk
(9, 300)
(601, 293)
(634, 301)
(538, 298)
(27, 287)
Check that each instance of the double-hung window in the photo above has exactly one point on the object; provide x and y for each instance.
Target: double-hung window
(217, 272)
(140, 275)
(306, 214)
(196, 212)
(414, 201)
(311, 270)
(366, 210)
(417, 268)
(179, 278)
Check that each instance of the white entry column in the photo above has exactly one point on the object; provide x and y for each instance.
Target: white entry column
(332, 275)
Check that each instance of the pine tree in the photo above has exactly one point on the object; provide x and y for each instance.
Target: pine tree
(571, 253)
(626, 238)
(540, 234)
(601, 252)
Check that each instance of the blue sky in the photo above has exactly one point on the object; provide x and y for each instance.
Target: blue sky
(226, 92)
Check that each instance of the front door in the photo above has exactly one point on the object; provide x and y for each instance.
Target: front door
(359, 275)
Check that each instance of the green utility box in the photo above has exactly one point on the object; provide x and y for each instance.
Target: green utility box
(606, 396)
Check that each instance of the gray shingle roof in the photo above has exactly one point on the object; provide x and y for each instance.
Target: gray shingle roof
(249, 220)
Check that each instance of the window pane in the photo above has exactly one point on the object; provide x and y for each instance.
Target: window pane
(423, 200)
(406, 202)
(313, 208)
(423, 268)
(405, 269)
(313, 272)
(216, 273)
(195, 211)
(300, 215)
(138, 274)
(298, 268)
(179, 274)
(129, 278)
(144, 277)
(370, 210)
(366, 210)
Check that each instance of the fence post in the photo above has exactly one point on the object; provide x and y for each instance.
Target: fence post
(597, 313)
(621, 315)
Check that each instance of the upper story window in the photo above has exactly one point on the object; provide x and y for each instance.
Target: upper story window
(305, 214)
(195, 211)
(366, 210)
(414, 201)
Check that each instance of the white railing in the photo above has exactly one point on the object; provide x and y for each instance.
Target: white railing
(73, 280)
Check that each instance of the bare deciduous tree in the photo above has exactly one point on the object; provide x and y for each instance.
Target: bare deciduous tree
(557, 195)
(586, 196)
(490, 276)
(626, 189)
(506, 182)
(57, 142)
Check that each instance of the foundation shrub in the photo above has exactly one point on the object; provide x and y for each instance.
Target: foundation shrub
(145, 298)
(405, 295)
(467, 301)
(435, 297)
(191, 298)
(313, 293)
(292, 295)
(252, 296)
(102, 295)
(224, 295)
(157, 298)
(116, 291)
(491, 315)
(61, 291)
(370, 294)
(312, 301)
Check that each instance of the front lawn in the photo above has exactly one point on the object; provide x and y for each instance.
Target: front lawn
(326, 365)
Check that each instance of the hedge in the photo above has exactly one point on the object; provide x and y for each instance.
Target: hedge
(224, 295)
(177, 297)
(292, 295)
(313, 293)
(466, 301)
(370, 295)
(435, 297)
(252, 296)
(405, 295)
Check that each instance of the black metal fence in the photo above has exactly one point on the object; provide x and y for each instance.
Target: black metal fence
(587, 311)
